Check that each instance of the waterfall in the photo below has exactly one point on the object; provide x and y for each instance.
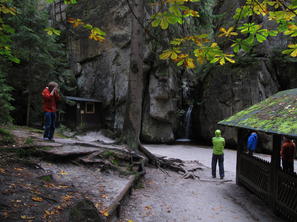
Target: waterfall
(187, 122)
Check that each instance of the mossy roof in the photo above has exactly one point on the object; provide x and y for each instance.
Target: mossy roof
(274, 115)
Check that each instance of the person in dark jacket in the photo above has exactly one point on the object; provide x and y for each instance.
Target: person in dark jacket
(252, 143)
(287, 155)
(50, 97)
(218, 143)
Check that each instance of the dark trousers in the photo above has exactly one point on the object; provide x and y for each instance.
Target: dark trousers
(214, 161)
(49, 125)
(251, 152)
(288, 166)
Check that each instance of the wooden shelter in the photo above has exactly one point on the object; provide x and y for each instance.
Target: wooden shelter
(82, 113)
(276, 116)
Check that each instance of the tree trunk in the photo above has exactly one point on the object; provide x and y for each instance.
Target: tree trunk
(132, 122)
(28, 107)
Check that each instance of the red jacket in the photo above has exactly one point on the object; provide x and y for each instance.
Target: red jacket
(49, 101)
(288, 151)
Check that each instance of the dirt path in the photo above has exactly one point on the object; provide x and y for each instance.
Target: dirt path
(166, 198)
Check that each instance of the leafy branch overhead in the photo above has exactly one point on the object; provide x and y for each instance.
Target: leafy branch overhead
(191, 51)
(194, 50)
(95, 33)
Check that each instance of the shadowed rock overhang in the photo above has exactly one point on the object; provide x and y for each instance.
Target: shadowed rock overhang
(274, 115)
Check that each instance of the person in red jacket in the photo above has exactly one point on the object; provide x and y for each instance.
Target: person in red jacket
(50, 97)
(287, 154)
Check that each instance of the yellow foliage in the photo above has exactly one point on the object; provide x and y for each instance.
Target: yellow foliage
(75, 22)
(189, 63)
(227, 33)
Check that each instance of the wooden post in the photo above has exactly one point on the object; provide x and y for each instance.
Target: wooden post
(275, 165)
(240, 147)
(77, 115)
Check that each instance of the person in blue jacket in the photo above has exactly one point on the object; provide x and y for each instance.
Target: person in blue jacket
(252, 143)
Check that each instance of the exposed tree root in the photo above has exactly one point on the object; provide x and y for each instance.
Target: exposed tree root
(176, 165)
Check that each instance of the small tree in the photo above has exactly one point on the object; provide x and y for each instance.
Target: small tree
(5, 100)
(42, 58)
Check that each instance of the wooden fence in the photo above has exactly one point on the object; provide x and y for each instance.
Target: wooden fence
(278, 189)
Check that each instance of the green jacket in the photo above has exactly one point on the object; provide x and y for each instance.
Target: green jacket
(218, 143)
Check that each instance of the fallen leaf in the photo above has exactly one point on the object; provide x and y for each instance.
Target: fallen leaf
(37, 199)
(19, 169)
(62, 172)
(5, 214)
(105, 196)
(104, 212)
(98, 205)
(130, 221)
(2, 170)
(67, 197)
(27, 217)
(48, 213)
(148, 207)
(58, 207)
(62, 187)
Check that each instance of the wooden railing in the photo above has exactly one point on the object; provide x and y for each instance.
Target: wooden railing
(286, 202)
(256, 174)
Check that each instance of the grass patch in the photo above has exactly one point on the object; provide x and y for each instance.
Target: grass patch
(6, 137)
(28, 141)
(47, 178)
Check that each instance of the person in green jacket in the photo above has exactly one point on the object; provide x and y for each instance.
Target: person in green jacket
(218, 143)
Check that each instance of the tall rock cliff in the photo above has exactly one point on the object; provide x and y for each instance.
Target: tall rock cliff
(102, 70)
(102, 73)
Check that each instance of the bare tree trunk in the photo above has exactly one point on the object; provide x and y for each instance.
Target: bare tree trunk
(132, 122)
(28, 107)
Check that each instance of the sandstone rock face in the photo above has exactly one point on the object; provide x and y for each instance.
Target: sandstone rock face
(102, 70)
(229, 89)
(102, 73)
(160, 108)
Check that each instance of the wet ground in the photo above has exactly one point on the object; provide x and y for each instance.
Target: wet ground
(169, 198)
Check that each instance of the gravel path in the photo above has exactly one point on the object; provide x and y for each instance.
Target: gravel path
(169, 198)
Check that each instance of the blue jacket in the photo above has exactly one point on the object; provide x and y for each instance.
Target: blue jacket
(252, 142)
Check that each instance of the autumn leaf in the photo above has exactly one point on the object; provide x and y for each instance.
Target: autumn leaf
(62, 172)
(98, 205)
(190, 12)
(2, 170)
(75, 22)
(169, 53)
(104, 212)
(37, 199)
(104, 196)
(19, 169)
(27, 217)
(67, 197)
(292, 51)
(148, 207)
(189, 63)
(227, 33)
